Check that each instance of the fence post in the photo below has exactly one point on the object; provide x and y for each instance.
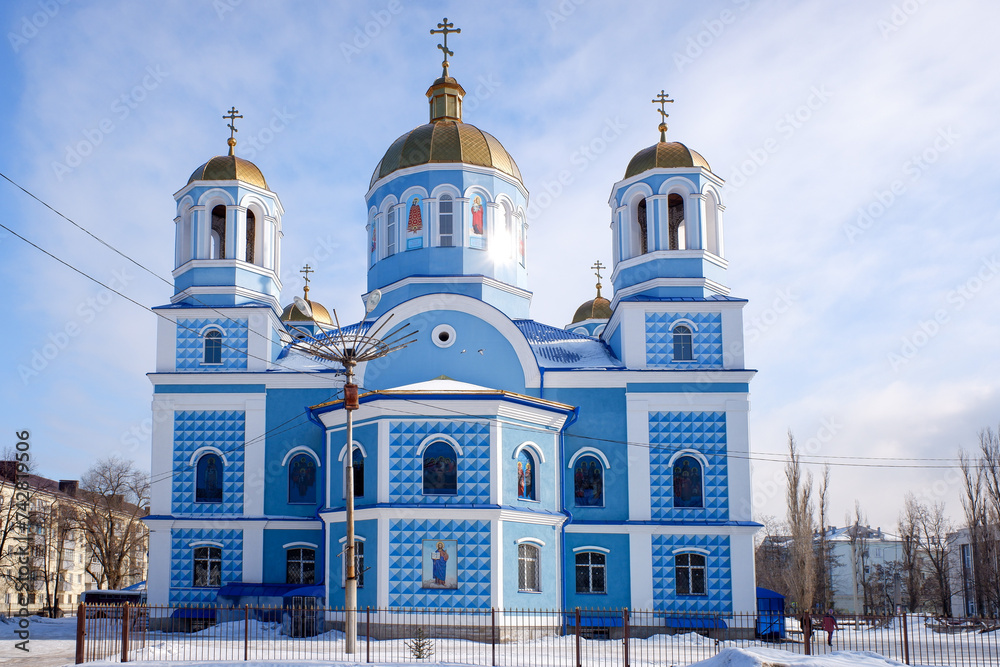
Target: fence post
(125, 623)
(493, 633)
(246, 632)
(81, 628)
(906, 640)
(578, 661)
(368, 634)
(625, 632)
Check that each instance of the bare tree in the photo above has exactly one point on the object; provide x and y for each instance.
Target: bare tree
(911, 567)
(981, 526)
(858, 539)
(824, 565)
(802, 581)
(934, 528)
(117, 496)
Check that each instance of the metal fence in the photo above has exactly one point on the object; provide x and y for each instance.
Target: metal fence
(506, 637)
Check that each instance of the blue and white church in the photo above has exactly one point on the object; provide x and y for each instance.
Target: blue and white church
(498, 461)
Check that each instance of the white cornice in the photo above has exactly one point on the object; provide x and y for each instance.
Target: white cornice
(451, 280)
(620, 379)
(660, 529)
(232, 290)
(225, 264)
(443, 512)
(446, 166)
(696, 253)
(243, 523)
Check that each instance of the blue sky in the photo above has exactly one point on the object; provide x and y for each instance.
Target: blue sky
(858, 140)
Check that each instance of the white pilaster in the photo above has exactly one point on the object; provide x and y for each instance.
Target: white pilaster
(158, 581)
(637, 424)
(253, 457)
(253, 552)
(496, 462)
(162, 445)
(640, 548)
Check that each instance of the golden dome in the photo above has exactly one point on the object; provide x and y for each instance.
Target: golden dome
(446, 140)
(595, 309)
(664, 154)
(320, 314)
(229, 168)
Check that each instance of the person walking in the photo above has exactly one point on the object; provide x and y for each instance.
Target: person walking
(830, 625)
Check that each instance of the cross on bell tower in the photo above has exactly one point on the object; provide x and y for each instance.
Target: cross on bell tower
(305, 271)
(232, 115)
(662, 99)
(597, 271)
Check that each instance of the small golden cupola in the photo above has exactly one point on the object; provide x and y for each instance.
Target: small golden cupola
(229, 167)
(591, 317)
(664, 154)
(293, 315)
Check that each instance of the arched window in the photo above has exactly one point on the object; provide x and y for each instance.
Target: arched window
(207, 569)
(508, 232)
(591, 572)
(302, 479)
(440, 470)
(588, 482)
(212, 347)
(208, 479)
(358, 462)
(712, 224)
(689, 572)
(527, 568)
(218, 232)
(446, 222)
(390, 231)
(687, 479)
(683, 343)
(526, 475)
(251, 235)
(641, 221)
(675, 221)
(300, 566)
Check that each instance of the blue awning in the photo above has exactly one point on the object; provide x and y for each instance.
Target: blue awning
(194, 612)
(592, 620)
(695, 623)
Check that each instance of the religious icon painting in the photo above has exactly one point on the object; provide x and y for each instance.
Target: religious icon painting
(687, 482)
(302, 479)
(208, 479)
(477, 215)
(439, 564)
(415, 221)
(588, 482)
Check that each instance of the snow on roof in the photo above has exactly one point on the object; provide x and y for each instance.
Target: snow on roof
(558, 348)
(443, 384)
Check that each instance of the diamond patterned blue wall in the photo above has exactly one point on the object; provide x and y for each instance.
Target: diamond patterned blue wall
(405, 540)
(190, 346)
(224, 430)
(406, 466)
(703, 432)
(706, 341)
(182, 563)
(718, 574)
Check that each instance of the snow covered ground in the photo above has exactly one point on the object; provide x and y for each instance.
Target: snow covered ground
(52, 644)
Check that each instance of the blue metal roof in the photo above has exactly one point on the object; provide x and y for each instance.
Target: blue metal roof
(558, 348)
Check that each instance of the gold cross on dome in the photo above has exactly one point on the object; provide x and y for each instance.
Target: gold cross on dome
(232, 116)
(306, 270)
(662, 99)
(445, 28)
(597, 267)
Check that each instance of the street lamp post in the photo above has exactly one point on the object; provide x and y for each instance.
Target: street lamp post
(349, 350)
